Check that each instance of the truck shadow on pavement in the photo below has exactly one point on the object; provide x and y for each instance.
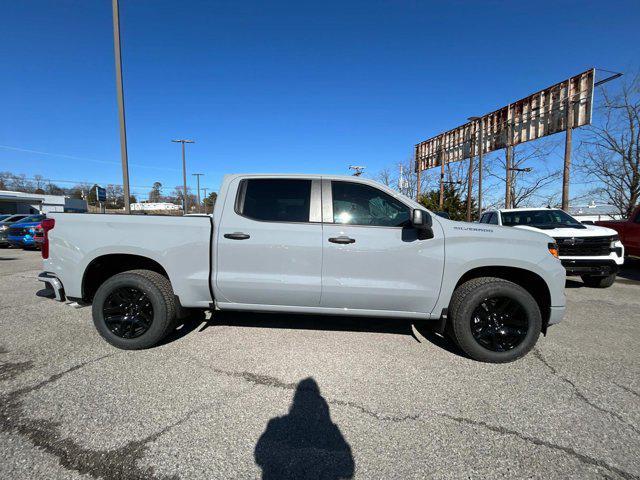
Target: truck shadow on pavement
(304, 443)
(331, 323)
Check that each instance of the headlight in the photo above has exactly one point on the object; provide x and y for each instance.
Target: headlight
(3, 228)
(614, 239)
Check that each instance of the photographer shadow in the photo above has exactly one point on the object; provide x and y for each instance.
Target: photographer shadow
(305, 443)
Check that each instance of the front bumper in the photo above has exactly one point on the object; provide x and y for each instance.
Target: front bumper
(52, 282)
(556, 315)
(590, 267)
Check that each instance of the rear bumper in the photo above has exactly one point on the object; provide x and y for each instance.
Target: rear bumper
(590, 267)
(52, 282)
(26, 241)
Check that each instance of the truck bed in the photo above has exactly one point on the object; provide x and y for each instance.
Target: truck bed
(180, 245)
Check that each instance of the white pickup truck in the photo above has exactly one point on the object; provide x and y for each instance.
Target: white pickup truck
(325, 245)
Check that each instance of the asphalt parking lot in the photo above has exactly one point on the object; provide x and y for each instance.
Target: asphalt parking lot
(250, 396)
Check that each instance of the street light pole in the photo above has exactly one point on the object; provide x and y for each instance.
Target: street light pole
(185, 205)
(120, 94)
(198, 175)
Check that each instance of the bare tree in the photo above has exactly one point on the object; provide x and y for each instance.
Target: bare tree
(611, 151)
(526, 186)
(406, 184)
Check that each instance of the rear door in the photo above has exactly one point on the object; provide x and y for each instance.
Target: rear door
(373, 259)
(269, 243)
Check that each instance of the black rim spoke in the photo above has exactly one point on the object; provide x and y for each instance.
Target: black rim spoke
(499, 324)
(128, 312)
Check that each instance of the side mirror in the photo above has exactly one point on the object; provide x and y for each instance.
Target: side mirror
(421, 221)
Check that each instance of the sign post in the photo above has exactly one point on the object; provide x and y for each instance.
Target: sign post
(101, 196)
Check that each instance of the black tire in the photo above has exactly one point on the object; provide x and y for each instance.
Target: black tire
(599, 282)
(158, 295)
(463, 311)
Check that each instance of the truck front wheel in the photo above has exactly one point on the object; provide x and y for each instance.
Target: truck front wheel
(494, 320)
(599, 282)
(135, 309)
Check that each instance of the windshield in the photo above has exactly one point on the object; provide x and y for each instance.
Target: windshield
(13, 218)
(544, 219)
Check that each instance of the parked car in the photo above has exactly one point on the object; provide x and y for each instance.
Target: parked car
(328, 245)
(5, 223)
(22, 233)
(628, 231)
(594, 253)
(38, 237)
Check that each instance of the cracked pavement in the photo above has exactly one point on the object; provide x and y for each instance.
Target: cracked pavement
(245, 394)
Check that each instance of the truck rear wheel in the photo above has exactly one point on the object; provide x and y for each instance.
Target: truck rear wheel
(494, 320)
(134, 310)
(599, 282)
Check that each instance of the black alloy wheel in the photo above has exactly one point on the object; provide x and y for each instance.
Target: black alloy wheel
(127, 312)
(499, 323)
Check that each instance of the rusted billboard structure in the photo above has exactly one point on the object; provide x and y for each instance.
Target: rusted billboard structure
(560, 107)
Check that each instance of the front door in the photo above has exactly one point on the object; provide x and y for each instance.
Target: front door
(269, 243)
(373, 259)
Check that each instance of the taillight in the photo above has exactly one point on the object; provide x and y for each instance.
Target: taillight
(47, 224)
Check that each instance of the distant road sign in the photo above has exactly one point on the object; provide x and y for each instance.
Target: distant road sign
(543, 113)
(101, 194)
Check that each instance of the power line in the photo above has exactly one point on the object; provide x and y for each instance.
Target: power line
(82, 159)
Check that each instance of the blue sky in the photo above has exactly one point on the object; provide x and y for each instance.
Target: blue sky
(277, 86)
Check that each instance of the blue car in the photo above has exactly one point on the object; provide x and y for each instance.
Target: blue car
(5, 223)
(22, 233)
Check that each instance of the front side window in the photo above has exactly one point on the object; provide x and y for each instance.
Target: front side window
(359, 204)
(276, 200)
(493, 220)
(485, 218)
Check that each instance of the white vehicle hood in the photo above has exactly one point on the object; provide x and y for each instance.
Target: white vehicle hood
(589, 231)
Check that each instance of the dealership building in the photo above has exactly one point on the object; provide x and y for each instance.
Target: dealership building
(21, 202)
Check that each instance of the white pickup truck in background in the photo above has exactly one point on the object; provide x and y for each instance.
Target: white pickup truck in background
(594, 253)
(327, 245)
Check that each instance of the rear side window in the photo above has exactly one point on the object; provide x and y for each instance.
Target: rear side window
(275, 200)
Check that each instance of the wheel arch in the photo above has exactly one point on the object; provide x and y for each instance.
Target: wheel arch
(103, 267)
(530, 281)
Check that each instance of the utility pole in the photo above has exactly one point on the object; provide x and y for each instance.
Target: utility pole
(204, 189)
(418, 176)
(480, 149)
(567, 149)
(185, 202)
(120, 93)
(480, 141)
(508, 156)
(357, 170)
(198, 175)
(441, 158)
(470, 177)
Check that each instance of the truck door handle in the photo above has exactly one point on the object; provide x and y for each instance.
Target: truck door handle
(342, 239)
(236, 236)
